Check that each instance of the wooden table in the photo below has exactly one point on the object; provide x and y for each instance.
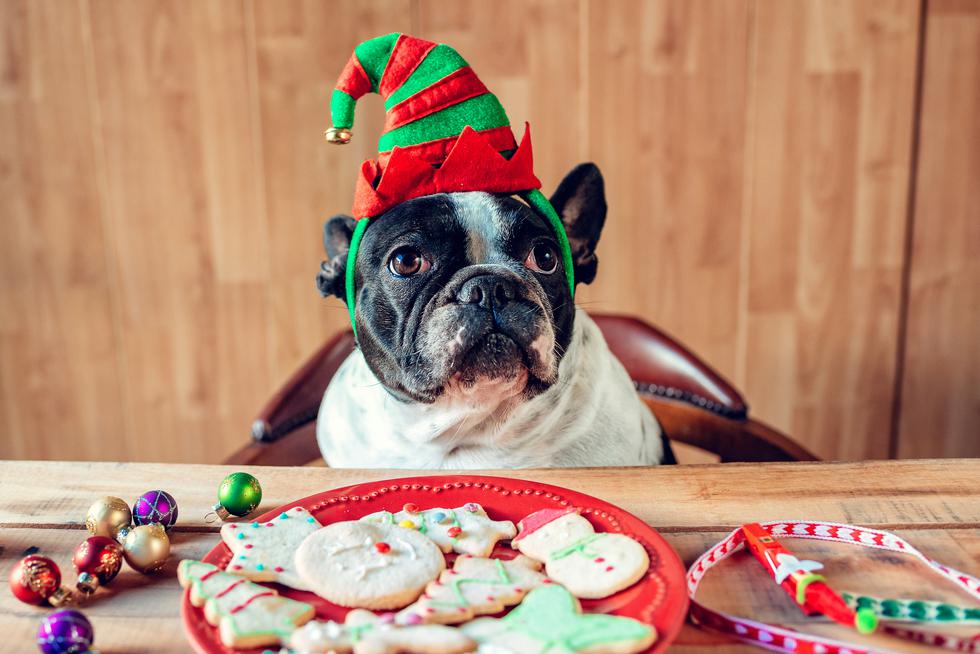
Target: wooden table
(933, 503)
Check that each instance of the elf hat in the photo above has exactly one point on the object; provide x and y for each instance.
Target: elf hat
(444, 133)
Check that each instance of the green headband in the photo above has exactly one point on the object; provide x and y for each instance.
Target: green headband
(533, 197)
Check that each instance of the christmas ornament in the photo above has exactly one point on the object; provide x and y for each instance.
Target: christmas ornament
(97, 562)
(445, 132)
(146, 548)
(238, 495)
(107, 516)
(65, 632)
(155, 506)
(782, 639)
(37, 580)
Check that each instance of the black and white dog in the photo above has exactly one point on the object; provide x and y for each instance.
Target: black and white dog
(472, 353)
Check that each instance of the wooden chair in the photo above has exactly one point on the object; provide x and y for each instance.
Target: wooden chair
(693, 403)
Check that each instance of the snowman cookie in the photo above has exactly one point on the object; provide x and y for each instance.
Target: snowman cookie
(370, 566)
(365, 633)
(591, 565)
(264, 551)
(474, 586)
(466, 529)
(550, 621)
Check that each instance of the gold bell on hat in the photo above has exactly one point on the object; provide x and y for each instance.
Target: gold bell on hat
(338, 135)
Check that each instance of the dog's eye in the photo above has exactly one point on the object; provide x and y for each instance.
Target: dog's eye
(542, 258)
(407, 261)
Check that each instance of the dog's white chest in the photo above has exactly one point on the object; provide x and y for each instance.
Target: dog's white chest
(590, 417)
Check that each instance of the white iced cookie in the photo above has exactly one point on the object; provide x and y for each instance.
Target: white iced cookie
(365, 633)
(264, 551)
(370, 566)
(466, 529)
(550, 621)
(474, 586)
(247, 615)
(589, 564)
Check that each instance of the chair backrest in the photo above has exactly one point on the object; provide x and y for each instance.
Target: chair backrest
(693, 403)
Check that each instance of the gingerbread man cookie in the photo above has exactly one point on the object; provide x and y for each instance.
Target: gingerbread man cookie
(264, 551)
(591, 565)
(246, 614)
(365, 633)
(366, 565)
(550, 621)
(474, 586)
(466, 529)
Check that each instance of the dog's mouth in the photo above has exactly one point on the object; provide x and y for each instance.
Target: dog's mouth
(494, 356)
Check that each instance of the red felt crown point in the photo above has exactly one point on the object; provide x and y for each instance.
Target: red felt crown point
(471, 165)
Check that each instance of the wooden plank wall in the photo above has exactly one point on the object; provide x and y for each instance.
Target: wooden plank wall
(163, 182)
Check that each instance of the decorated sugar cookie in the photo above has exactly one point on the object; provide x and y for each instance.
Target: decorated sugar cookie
(466, 529)
(264, 551)
(246, 614)
(365, 633)
(475, 586)
(366, 565)
(550, 621)
(589, 564)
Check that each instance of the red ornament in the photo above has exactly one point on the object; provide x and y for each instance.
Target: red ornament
(37, 580)
(382, 547)
(454, 532)
(97, 561)
(411, 507)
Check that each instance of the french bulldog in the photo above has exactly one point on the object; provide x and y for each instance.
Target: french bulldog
(471, 351)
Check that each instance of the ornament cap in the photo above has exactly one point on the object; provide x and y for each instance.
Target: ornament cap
(87, 583)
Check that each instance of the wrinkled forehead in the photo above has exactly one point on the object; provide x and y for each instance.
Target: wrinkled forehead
(485, 222)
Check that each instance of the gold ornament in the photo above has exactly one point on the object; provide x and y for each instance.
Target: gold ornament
(107, 516)
(338, 135)
(146, 548)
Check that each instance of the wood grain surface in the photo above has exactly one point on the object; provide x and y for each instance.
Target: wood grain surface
(934, 504)
(163, 182)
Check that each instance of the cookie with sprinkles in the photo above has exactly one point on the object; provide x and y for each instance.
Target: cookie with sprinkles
(474, 586)
(466, 529)
(264, 551)
(589, 564)
(368, 565)
(247, 615)
(363, 632)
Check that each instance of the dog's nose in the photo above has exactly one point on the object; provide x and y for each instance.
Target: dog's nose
(487, 291)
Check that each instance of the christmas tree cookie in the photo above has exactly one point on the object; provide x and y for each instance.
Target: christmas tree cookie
(550, 621)
(365, 633)
(246, 614)
(591, 565)
(466, 529)
(263, 551)
(475, 586)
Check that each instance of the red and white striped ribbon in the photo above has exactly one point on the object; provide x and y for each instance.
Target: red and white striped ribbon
(782, 639)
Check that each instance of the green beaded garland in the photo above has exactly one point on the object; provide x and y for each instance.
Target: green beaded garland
(239, 493)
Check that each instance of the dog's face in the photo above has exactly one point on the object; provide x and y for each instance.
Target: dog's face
(466, 293)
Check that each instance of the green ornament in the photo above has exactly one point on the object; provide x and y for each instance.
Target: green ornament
(238, 495)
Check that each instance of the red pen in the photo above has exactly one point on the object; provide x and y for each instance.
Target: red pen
(799, 579)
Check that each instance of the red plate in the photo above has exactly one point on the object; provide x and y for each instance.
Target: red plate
(658, 599)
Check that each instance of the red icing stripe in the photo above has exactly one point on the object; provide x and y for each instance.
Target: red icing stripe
(207, 575)
(252, 599)
(435, 152)
(459, 85)
(353, 80)
(406, 56)
(229, 589)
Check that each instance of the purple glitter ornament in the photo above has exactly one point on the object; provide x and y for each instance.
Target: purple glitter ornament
(65, 632)
(155, 506)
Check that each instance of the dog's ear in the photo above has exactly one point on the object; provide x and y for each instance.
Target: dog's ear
(337, 233)
(581, 203)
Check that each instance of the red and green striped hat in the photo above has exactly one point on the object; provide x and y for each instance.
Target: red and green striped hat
(444, 133)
